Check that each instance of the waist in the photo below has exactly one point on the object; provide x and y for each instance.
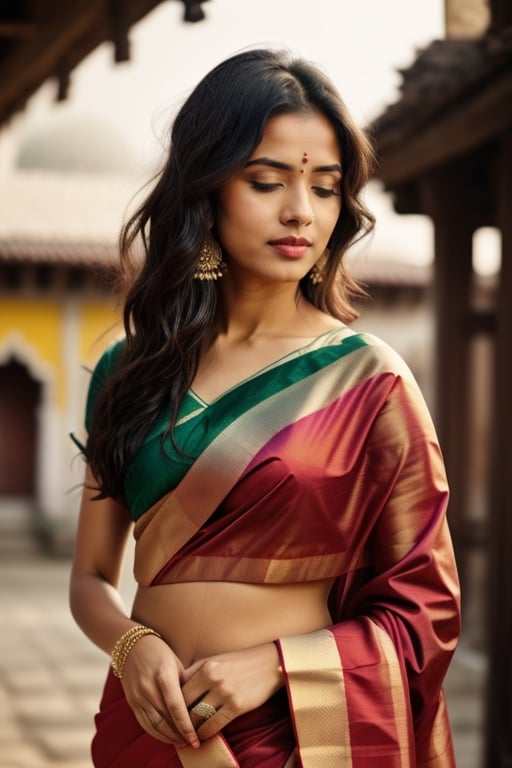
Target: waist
(200, 618)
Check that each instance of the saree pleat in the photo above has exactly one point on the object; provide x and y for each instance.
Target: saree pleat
(325, 466)
(120, 742)
(260, 739)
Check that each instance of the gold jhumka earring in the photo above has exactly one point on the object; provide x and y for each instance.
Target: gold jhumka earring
(316, 273)
(210, 265)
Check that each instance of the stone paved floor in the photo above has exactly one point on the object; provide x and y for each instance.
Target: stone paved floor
(51, 676)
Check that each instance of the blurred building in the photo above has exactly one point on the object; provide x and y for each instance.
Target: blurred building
(63, 190)
(63, 201)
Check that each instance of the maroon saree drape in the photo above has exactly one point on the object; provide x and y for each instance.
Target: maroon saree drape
(326, 465)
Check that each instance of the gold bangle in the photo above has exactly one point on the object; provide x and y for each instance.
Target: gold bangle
(123, 646)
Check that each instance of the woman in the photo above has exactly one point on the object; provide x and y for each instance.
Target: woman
(297, 599)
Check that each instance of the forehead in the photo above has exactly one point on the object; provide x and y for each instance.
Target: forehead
(295, 133)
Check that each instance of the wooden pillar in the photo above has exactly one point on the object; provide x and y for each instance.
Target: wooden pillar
(498, 747)
(448, 199)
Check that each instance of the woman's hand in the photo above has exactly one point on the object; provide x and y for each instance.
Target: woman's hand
(152, 680)
(233, 683)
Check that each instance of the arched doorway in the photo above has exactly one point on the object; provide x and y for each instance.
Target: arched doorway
(19, 400)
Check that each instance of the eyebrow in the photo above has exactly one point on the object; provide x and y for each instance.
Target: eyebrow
(335, 167)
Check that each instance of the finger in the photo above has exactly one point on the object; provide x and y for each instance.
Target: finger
(177, 714)
(197, 682)
(189, 672)
(151, 713)
(201, 711)
(194, 691)
(155, 724)
(214, 724)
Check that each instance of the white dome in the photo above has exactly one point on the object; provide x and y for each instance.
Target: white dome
(74, 144)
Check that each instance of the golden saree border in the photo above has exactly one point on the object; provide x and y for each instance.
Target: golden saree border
(292, 761)
(213, 753)
(175, 518)
(394, 685)
(266, 570)
(318, 700)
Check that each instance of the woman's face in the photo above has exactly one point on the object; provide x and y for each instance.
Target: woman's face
(275, 217)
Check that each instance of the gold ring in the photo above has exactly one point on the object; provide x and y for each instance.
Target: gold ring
(204, 710)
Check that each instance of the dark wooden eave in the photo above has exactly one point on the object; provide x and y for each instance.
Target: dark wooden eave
(456, 97)
(42, 39)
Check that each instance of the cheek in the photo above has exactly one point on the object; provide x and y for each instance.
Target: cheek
(245, 216)
(333, 217)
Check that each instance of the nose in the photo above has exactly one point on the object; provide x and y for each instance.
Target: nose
(297, 209)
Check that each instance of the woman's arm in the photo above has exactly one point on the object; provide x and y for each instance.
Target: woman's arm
(102, 533)
(152, 673)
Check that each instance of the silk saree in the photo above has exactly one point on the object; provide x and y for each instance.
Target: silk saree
(324, 465)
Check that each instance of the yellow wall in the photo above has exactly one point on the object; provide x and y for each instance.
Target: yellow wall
(39, 322)
(98, 328)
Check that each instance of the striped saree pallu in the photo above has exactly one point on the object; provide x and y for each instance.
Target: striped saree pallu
(323, 466)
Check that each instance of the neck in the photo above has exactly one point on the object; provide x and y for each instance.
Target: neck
(261, 311)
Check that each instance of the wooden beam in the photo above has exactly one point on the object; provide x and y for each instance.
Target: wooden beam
(458, 131)
(36, 60)
(120, 29)
(16, 30)
(69, 36)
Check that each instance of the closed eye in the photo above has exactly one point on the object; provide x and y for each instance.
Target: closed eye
(323, 192)
(263, 186)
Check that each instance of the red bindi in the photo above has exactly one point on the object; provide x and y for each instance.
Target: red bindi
(305, 158)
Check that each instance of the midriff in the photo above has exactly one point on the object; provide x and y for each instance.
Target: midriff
(199, 619)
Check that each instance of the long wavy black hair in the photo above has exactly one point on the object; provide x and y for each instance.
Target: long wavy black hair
(169, 317)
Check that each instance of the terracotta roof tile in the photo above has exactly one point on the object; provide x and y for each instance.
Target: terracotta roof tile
(58, 252)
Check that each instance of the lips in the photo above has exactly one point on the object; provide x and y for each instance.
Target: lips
(290, 241)
(291, 247)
